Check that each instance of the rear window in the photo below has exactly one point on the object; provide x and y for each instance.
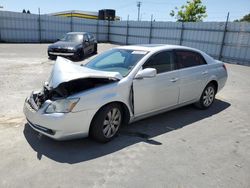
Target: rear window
(186, 59)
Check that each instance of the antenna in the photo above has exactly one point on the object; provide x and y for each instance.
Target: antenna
(139, 9)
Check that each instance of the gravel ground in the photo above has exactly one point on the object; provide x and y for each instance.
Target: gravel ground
(181, 148)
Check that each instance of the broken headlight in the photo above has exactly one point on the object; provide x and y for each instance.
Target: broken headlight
(62, 106)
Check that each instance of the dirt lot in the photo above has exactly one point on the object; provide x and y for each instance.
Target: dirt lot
(181, 148)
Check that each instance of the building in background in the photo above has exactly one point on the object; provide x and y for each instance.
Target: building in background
(104, 14)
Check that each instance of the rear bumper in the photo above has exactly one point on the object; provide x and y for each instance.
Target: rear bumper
(59, 126)
(222, 80)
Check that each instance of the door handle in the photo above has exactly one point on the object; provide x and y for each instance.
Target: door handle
(204, 72)
(174, 79)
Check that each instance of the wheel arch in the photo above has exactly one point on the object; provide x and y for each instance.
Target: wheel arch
(125, 111)
(215, 83)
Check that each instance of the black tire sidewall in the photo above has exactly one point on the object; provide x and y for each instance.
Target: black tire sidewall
(79, 54)
(52, 57)
(96, 128)
(95, 48)
(201, 102)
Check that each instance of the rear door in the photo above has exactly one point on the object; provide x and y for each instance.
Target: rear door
(193, 74)
(161, 91)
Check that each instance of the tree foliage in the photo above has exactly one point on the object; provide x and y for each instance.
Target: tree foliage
(245, 18)
(193, 11)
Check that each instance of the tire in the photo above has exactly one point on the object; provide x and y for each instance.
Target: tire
(52, 57)
(207, 97)
(106, 123)
(95, 49)
(79, 54)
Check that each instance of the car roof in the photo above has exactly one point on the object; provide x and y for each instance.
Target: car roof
(77, 33)
(156, 47)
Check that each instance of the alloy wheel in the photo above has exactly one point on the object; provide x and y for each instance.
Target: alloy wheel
(208, 96)
(112, 122)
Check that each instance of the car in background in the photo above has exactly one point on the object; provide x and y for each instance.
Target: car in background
(75, 45)
(120, 86)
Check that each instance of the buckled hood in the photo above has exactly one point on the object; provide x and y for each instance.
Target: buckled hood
(64, 71)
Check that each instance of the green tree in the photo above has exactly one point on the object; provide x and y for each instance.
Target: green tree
(193, 11)
(245, 18)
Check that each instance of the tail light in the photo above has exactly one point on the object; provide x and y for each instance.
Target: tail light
(224, 66)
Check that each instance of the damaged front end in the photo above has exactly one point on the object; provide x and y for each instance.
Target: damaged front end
(67, 79)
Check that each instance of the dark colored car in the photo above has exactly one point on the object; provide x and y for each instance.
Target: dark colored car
(75, 45)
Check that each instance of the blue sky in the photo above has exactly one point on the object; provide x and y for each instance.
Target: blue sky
(216, 9)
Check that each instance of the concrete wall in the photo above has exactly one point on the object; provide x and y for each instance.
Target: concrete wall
(229, 42)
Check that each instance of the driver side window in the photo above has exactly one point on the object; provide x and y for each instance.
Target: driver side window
(162, 62)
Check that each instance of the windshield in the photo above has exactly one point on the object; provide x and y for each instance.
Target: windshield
(72, 38)
(117, 60)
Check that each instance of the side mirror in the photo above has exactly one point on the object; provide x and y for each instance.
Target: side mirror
(57, 39)
(146, 73)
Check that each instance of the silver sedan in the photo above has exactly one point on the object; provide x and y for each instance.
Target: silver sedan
(120, 86)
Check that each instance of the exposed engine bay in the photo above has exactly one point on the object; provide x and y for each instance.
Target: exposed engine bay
(66, 89)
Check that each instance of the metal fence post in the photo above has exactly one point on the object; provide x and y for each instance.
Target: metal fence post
(97, 30)
(150, 31)
(223, 38)
(1, 28)
(39, 26)
(182, 30)
(108, 29)
(127, 30)
(71, 22)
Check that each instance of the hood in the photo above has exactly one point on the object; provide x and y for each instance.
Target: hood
(64, 71)
(64, 44)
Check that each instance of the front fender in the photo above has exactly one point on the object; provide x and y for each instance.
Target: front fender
(94, 99)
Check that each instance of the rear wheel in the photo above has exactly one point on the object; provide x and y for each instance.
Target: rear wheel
(106, 123)
(207, 97)
(95, 48)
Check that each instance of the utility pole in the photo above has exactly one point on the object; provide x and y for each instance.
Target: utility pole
(139, 9)
(223, 38)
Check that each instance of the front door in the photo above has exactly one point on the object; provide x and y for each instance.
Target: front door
(162, 91)
(87, 45)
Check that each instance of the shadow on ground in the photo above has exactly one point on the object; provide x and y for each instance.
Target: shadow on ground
(80, 150)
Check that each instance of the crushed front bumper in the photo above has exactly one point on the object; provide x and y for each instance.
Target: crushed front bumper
(59, 126)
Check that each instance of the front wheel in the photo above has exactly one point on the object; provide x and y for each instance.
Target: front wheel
(52, 57)
(207, 97)
(106, 123)
(79, 55)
